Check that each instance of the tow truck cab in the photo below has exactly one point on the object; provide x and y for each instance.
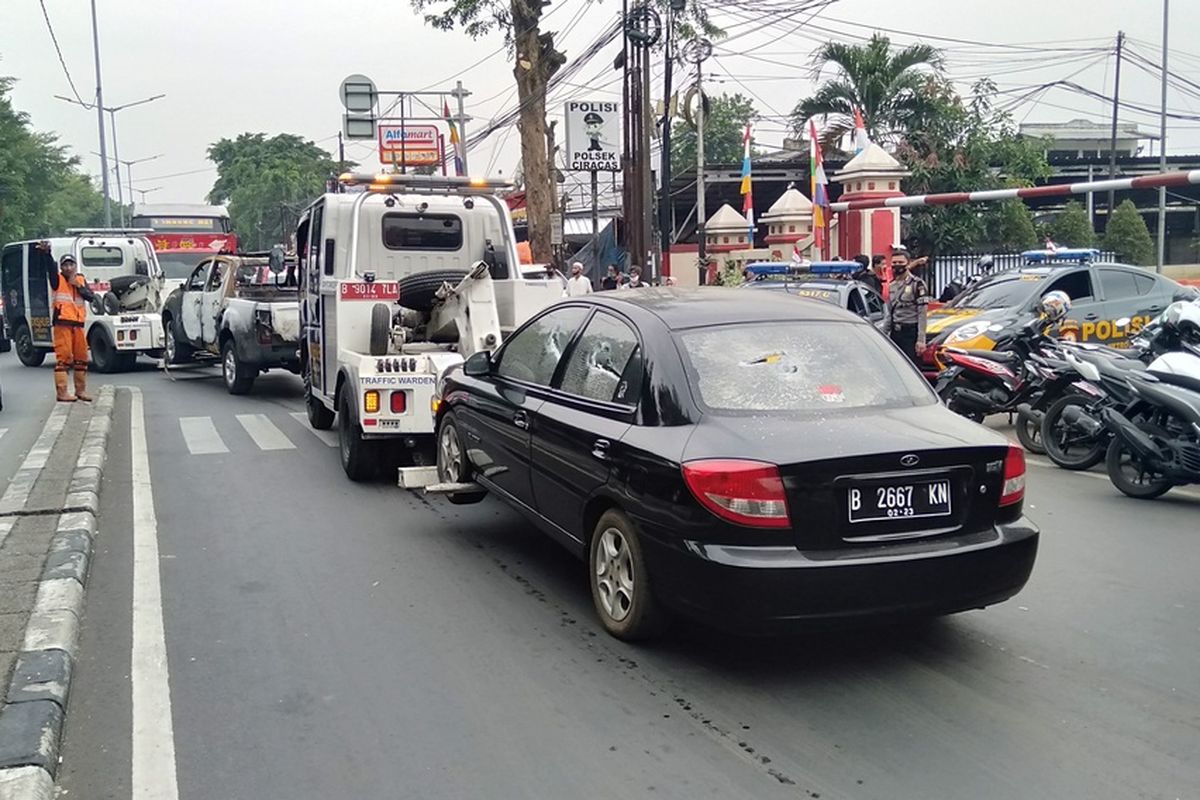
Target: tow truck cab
(401, 278)
(119, 265)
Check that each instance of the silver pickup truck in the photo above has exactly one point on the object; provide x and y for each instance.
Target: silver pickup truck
(242, 309)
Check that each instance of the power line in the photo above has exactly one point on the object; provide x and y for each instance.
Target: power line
(61, 60)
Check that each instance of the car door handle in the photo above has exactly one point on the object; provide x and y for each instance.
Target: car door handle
(1091, 315)
(600, 449)
(521, 420)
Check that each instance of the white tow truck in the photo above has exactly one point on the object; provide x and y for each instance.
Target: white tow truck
(401, 278)
(122, 269)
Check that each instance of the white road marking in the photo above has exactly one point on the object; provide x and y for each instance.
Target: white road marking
(201, 436)
(153, 773)
(2, 432)
(328, 437)
(264, 433)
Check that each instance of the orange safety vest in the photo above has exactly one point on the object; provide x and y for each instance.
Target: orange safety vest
(69, 308)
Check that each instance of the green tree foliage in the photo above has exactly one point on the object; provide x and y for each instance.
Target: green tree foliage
(889, 86)
(1010, 227)
(724, 129)
(1128, 236)
(42, 191)
(267, 182)
(1072, 228)
(965, 147)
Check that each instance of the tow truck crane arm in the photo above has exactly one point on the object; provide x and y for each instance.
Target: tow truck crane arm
(470, 310)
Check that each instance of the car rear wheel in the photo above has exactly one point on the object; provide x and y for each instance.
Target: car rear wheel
(29, 355)
(621, 585)
(453, 466)
(177, 352)
(239, 378)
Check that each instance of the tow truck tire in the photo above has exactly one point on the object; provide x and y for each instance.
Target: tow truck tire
(238, 377)
(381, 329)
(359, 455)
(453, 466)
(30, 355)
(320, 417)
(105, 357)
(417, 291)
(5, 343)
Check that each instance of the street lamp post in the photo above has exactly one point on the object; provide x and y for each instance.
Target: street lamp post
(144, 192)
(112, 115)
(128, 173)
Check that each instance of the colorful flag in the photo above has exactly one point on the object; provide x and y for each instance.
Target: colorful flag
(455, 142)
(860, 132)
(1051, 246)
(820, 192)
(747, 191)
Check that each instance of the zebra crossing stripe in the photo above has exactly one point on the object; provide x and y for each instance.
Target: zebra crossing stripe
(201, 436)
(328, 437)
(264, 433)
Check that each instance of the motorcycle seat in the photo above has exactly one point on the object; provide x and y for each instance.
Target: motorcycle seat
(1182, 381)
(999, 357)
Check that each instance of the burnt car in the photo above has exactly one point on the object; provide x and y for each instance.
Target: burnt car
(737, 457)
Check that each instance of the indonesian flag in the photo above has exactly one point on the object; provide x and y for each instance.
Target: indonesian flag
(747, 190)
(455, 142)
(860, 132)
(820, 191)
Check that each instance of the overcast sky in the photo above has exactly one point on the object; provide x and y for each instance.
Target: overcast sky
(270, 66)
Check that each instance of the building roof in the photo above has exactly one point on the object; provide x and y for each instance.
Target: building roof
(790, 204)
(727, 218)
(872, 160)
(1084, 129)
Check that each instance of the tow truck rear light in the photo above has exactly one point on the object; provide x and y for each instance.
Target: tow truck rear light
(371, 401)
(743, 492)
(120, 336)
(1014, 477)
(399, 402)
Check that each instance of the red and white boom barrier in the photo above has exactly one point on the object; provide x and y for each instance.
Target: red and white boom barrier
(1166, 179)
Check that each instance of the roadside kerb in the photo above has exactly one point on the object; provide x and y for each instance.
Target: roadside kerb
(34, 705)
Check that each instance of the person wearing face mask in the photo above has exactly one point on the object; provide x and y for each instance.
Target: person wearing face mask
(908, 298)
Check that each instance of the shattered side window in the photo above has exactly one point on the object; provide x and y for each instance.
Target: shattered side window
(601, 362)
(533, 354)
(799, 367)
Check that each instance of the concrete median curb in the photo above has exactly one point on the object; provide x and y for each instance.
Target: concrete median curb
(35, 703)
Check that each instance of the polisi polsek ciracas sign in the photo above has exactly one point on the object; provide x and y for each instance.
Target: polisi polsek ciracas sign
(593, 136)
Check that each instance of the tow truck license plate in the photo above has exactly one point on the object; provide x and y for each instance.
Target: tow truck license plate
(380, 290)
(899, 501)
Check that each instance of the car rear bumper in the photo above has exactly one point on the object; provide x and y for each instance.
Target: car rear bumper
(768, 589)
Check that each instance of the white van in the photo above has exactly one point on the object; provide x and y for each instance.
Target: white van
(124, 319)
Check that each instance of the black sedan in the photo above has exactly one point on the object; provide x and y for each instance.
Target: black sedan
(740, 458)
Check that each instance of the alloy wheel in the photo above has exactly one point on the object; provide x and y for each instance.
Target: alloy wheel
(614, 574)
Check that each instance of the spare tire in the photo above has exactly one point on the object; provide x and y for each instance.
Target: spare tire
(381, 328)
(417, 291)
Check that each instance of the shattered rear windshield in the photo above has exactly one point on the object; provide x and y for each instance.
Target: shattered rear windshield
(799, 367)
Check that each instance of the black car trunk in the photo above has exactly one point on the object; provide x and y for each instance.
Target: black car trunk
(862, 479)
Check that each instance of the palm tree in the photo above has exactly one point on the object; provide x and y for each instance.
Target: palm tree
(890, 87)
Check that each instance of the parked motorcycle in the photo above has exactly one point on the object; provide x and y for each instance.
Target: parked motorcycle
(1072, 433)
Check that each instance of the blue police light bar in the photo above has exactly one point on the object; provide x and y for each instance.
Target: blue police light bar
(761, 268)
(834, 267)
(764, 268)
(1076, 254)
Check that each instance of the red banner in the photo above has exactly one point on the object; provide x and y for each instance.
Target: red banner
(382, 291)
(216, 242)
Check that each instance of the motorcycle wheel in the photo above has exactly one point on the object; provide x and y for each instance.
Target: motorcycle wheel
(1029, 434)
(1126, 472)
(1068, 449)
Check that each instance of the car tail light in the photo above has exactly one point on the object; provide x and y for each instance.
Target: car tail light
(399, 402)
(744, 492)
(371, 401)
(1014, 477)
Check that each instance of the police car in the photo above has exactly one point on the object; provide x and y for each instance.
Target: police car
(992, 310)
(826, 281)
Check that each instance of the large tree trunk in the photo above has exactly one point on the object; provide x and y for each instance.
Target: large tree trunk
(536, 61)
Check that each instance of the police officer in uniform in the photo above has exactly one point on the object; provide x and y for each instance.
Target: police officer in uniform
(71, 295)
(908, 297)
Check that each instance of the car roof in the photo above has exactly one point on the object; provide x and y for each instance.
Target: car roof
(688, 308)
(808, 283)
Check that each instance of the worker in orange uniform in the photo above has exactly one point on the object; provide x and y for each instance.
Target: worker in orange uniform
(71, 294)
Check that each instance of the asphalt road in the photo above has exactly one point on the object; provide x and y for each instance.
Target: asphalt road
(326, 639)
(27, 402)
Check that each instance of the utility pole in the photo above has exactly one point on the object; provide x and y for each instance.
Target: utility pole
(647, 185)
(1162, 146)
(112, 116)
(100, 121)
(665, 224)
(461, 94)
(403, 141)
(341, 154)
(701, 213)
(1112, 155)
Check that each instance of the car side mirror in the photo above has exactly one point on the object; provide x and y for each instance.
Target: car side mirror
(276, 260)
(478, 365)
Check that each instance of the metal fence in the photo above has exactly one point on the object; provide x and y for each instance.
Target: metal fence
(945, 268)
